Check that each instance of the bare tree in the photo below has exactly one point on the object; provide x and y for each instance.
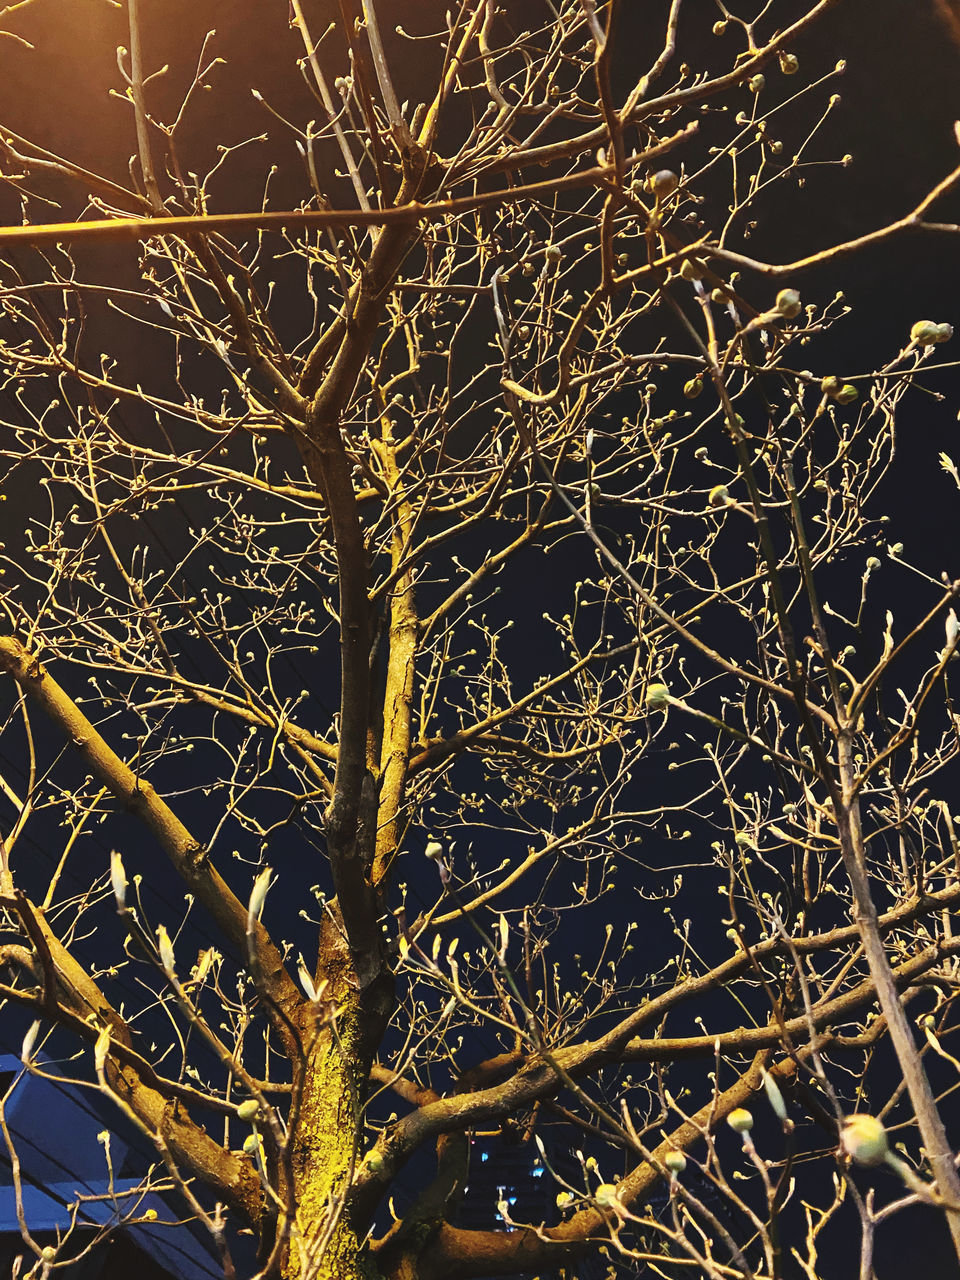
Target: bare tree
(437, 569)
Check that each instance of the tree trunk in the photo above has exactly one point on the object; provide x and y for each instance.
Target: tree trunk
(324, 1244)
(328, 1137)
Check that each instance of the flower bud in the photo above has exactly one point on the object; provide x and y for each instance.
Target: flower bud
(554, 253)
(774, 1096)
(740, 1120)
(657, 695)
(718, 496)
(951, 629)
(675, 1161)
(258, 895)
(165, 948)
(756, 83)
(864, 1139)
(606, 1194)
(788, 303)
(944, 333)
(150, 1215)
(691, 269)
(873, 562)
(249, 1110)
(306, 981)
(118, 879)
(29, 1040)
(433, 851)
(847, 394)
(693, 388)
(251, 1144)
(663, 182)
(925, 333)
(564, 1198)
(830, 385)
(789, 64)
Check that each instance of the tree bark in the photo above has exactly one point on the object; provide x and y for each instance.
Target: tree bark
(324, 1243)
(328, 1122)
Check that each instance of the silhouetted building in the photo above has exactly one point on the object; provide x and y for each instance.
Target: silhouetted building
(59, 1133)
(514, 1174)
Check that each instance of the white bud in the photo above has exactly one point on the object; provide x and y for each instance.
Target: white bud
(952, 632)
(118, 878)
(165, 947)
(434, 850)
(258, 896)
(29, 1040)
(305, 979)
(774, 1096)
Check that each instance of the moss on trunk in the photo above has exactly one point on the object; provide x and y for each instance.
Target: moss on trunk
(324, 1244)
(327, 1140)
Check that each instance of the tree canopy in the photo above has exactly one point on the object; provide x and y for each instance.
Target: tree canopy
(459, 708)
